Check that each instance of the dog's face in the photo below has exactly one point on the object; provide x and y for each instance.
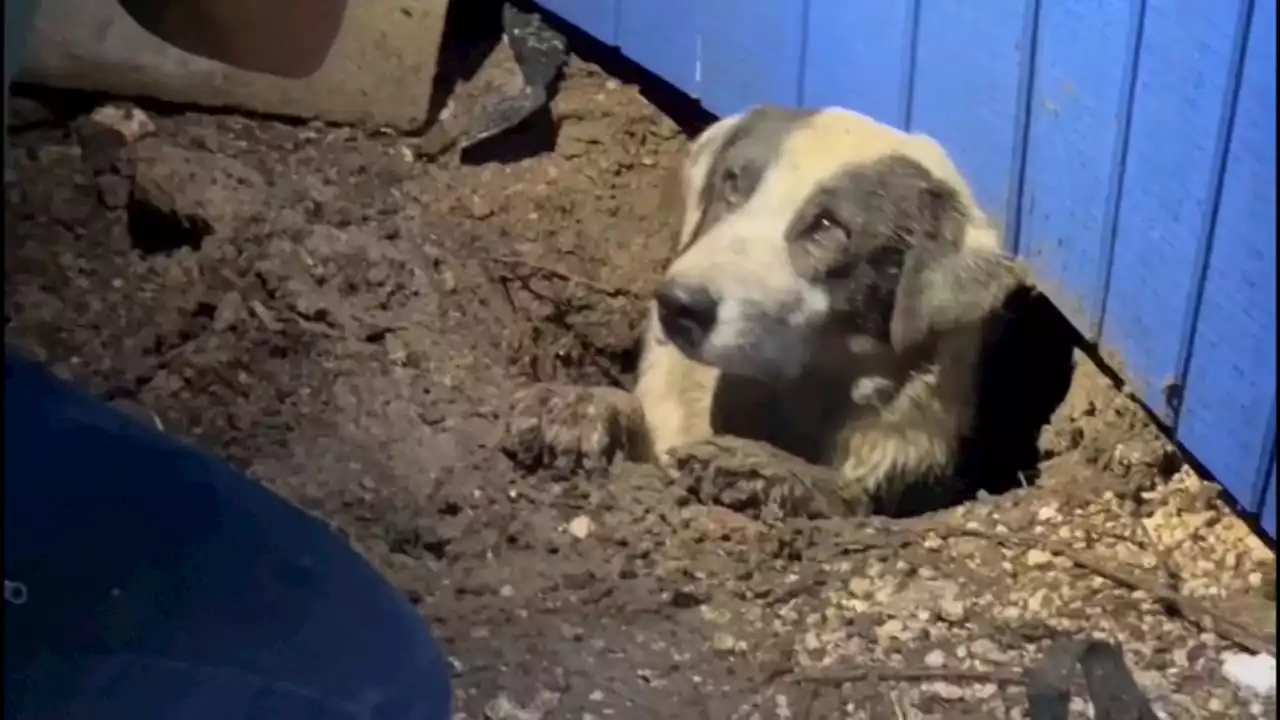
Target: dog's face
(795, 228)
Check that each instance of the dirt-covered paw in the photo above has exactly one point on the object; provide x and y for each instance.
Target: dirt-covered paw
(759, 480)
(569, 428)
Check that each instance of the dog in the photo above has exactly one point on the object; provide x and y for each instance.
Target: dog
(833, 286)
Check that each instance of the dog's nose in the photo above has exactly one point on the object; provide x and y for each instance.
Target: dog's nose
(687, 312)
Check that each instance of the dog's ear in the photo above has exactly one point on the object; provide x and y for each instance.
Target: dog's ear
(923, 209)
(692, 175)
(941, 288)
(672, 200)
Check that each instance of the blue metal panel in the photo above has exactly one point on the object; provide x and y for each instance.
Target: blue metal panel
(663, 37)
(860, 56)
(752, 53)
(1079, 109)
(1269, 504)
(966, 89)
(1187, 70)
(1227, 417)
(597, 17)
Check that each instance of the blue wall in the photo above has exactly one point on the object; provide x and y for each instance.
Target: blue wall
(1128, 148)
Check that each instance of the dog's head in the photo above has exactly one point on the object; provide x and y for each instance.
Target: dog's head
(796, 229)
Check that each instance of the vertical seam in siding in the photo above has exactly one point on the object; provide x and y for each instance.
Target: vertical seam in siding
(910, 48)
(1265, 462)
(1021, 128)
(802, 71)
(617, 23)
(697, 62)
(1119, 164)
(1204, 243)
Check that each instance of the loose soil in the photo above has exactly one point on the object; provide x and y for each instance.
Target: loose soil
(346, 317)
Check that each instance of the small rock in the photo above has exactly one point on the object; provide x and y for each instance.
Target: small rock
(503, 708)
(107, 131)
(724, 642)
(935, 659)
(812, 642)
(949, 691)
(860, 587)
(230, 309)
(1038, 558)
(951, 610)
(685, 599)
(507, 591)
(984, 648)
(114, 191)
(581, 526)
(480, 209)
(1036, 603)
(132, 123)
(891, 628)
(180, 197)
(577, 580)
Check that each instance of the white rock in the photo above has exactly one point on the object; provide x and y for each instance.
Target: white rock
(1048, 513)
(1252, 674)
(951, 610)
(132, 123)
(724, 642)
(581, 526)
(1038, 558)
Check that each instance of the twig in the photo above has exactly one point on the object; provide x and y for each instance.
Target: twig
(264, 315)
(1170, 579)
(886, 673)
(1193, 611)
(811, 698)
(897, 705)
(1197, 613)
(564, 276)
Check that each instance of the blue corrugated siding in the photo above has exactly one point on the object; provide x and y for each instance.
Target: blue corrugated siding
(1269, 504)
(662, 35)
(597, 17)
(1128, 149)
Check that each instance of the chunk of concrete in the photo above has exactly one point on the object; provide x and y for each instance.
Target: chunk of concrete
(379, 72)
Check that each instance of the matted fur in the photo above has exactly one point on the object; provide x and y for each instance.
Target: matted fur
(854, 277)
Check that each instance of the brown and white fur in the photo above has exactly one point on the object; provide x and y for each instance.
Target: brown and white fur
(832, 280)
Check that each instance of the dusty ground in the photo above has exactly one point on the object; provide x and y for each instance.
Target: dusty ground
(346, 318)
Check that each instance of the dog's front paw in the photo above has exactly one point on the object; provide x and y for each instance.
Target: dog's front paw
(759, 480)
(571, 428)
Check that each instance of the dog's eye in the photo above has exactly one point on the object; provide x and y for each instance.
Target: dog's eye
(731, 185)
(825, 229)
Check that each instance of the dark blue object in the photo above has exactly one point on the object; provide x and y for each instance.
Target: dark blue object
(156, 583)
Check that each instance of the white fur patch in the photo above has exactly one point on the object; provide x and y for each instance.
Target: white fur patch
(872, 390)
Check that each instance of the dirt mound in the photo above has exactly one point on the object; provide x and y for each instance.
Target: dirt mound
(347, 318)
